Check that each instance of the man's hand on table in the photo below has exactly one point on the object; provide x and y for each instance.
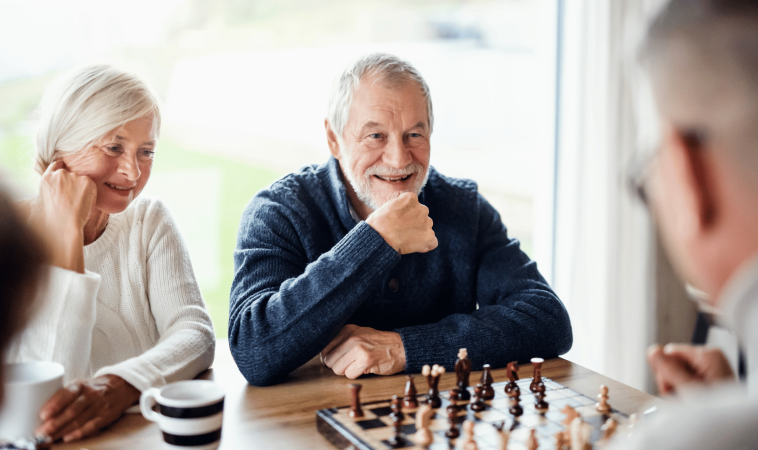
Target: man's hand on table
(361, 350)
(404, 224)
(676, 365)
(84, 407)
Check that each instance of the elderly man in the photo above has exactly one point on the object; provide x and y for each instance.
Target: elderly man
(376, 260)
(702, 58)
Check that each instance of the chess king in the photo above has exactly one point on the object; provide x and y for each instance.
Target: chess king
(377, 261)
(701, 57)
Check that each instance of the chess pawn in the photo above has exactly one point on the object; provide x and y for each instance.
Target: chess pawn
(423, 435)
(397, 417)
(478, 404)
(516, 408)
(409, 400)
(512, 370)
(609, 429)
(503, 436)
(462, 372)
(539, 399)
(537, 378)
(355, 407)
(602, 405)
(580, 435)
(452, 417)
(531, 442)
(468, 431)
(486, 381)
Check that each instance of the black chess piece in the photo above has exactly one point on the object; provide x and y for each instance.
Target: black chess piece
(397, 417)
(512, 370)
(516, 408)
(452, 416)
(462, 372)
(539, 398)
(478, 404)
(409, 400)
(434, 392)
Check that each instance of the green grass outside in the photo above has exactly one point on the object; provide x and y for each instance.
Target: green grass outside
(240, 181)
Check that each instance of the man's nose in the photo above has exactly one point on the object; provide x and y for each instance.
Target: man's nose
(396, 154)
(129, 167)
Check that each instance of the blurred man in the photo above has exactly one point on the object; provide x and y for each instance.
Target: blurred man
(341, 259)
(702, 184)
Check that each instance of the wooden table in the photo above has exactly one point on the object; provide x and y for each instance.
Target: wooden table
(285, 415)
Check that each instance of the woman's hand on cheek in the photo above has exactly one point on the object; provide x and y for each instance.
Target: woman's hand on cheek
(84, 407)
(60, 212)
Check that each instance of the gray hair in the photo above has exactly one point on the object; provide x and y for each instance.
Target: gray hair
(385, 68)
(702, 59)
(87, 104)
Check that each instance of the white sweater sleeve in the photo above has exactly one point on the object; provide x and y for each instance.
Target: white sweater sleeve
(187, 343)
(61, 329)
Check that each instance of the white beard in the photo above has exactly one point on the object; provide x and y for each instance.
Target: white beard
(362, 184)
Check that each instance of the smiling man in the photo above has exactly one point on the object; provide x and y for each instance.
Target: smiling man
(377, 261)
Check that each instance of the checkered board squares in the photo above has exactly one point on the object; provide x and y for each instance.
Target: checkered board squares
(373, 431)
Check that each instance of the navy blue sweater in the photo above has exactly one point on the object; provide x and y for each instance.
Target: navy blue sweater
(304, 268)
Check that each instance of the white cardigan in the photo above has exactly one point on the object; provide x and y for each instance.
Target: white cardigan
(137, 312)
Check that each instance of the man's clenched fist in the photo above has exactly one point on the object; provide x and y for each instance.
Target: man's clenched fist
(404, 224)
(361, 350)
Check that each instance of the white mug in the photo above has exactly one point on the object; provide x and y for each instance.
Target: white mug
(190, 413)
(28, 386)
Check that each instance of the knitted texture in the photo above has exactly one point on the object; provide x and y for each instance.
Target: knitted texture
(137, 312)
(304, 268)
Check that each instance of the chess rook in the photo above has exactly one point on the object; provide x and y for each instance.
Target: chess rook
(355, 406)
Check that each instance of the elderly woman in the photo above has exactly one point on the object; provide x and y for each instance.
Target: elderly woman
(123, 311)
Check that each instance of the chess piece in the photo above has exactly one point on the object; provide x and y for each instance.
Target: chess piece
(488, 393)
(462, 372)
(478, 404)
(512, 370)
(433, 379)
(609, 429)
(570, 414)
(580, 435)
(602, 405)
(468, 432)
(452, 416)
(409, 400)
(539, 398)
(423, 435)
(397, 417)
(355, 406)
(537, 378)
(516, 408)
(503, 436)
(531, 442)
(560, 440)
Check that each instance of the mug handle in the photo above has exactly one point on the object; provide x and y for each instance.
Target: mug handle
(146, 403)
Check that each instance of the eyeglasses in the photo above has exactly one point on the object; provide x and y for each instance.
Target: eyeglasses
(640, 168)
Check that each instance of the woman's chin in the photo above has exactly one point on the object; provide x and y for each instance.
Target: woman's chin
(113, 206)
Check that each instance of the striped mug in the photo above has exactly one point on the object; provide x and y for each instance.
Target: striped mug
(189, 413)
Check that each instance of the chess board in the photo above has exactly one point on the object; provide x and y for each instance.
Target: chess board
(372, 431)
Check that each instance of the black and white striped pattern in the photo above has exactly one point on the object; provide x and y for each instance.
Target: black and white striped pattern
(192, 428)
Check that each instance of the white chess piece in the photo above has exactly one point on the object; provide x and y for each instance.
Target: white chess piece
(580, 434)
(423, 435)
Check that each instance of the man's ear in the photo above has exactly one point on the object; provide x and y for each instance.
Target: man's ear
(331, 139)
(698, 174)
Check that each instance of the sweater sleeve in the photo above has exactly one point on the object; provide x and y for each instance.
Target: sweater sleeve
(186, 345)
(61, 329)
(518, 317)
(285, 310)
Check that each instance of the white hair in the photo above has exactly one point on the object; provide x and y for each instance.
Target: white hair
(384, 68)
(84, 106)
